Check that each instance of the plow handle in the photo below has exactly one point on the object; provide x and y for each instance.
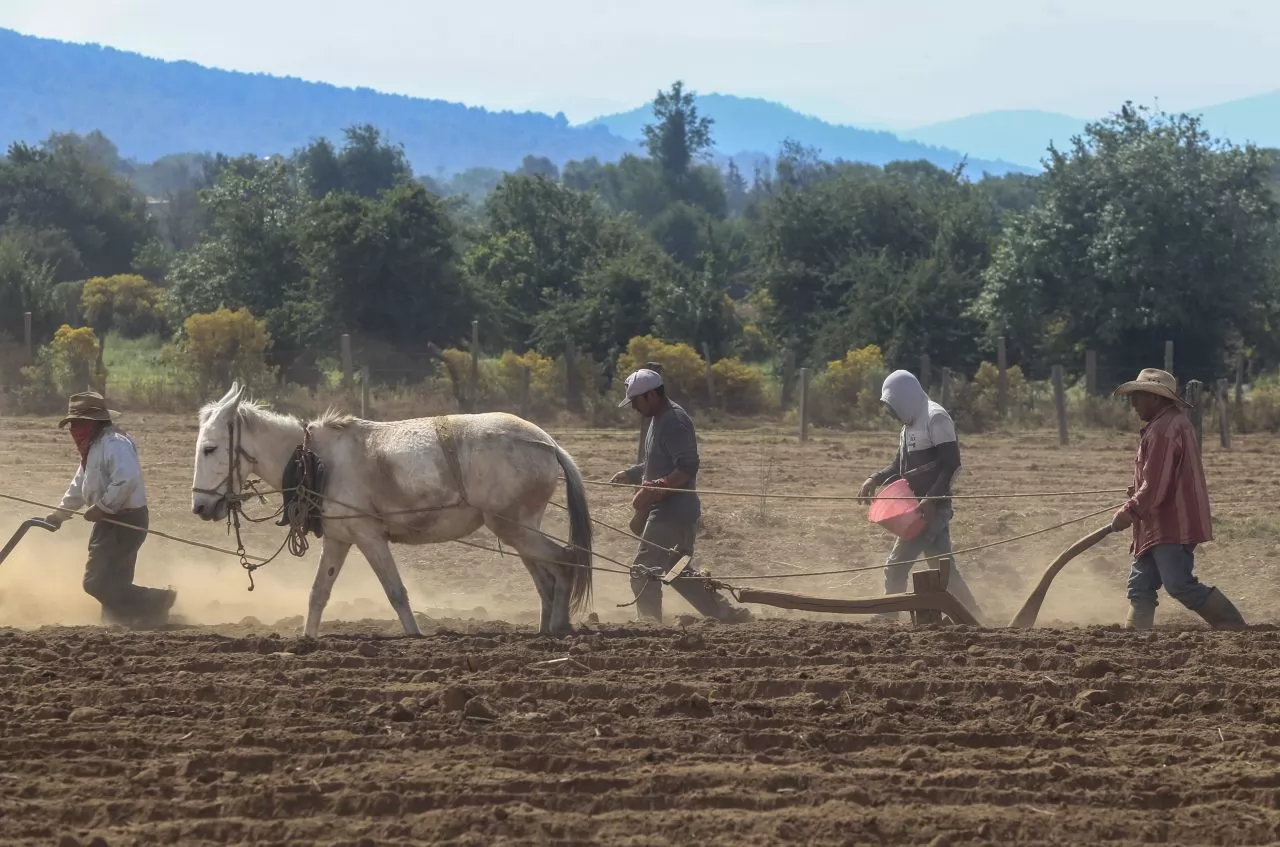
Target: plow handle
(22, 530)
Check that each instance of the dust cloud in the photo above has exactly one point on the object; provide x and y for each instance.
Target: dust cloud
(40, 585)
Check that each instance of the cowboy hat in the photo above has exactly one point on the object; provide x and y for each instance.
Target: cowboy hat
(87, 406)
(1157, 382)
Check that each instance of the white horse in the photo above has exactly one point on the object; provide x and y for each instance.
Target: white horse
(418, 481)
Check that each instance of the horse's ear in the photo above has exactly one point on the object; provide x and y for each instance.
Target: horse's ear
(240, 391)
(231, 392)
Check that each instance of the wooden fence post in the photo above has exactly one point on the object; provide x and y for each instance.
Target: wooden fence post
(946, 389)
(711, 378)
(926, 372)
(364, 391)
(473, 383)
(1168, 356)
(573, 391)
(1002, 380)
(525, 379)
(788, 375)
(27, 343)
(1224, 415)
(347, 366)
(804, 404)
(1194, 396)
(1091, 372)
(1240, 393)
(1060, 403)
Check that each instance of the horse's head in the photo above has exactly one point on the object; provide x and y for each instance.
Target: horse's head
(218, 456)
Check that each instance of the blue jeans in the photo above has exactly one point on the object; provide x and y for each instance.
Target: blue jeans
(1169, 565)
(934, 541)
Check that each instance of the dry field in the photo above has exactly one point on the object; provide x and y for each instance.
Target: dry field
(794, 729)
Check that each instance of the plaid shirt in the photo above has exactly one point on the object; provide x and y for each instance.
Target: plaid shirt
(1170, 500)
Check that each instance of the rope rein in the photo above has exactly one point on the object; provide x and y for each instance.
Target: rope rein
(859, 499)
(235, 489)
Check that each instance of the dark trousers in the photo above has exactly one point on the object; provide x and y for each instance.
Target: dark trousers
(1170, 566)
(108, 575)
(648, 591)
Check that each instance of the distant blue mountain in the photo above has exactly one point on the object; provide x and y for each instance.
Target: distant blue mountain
(748, 126)
(151, 108)
(1020, 136)
(1023, 136)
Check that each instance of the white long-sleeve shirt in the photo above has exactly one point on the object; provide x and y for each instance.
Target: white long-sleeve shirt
(110, 478)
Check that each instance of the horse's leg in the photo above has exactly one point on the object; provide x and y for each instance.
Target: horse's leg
(332, 555)
(378, 552)
(550, 577)
(545, 583)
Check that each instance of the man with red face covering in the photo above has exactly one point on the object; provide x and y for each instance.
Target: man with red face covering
(109, 482)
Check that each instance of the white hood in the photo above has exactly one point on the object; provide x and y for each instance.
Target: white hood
(904, 394)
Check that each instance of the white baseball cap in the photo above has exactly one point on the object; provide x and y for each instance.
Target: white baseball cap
(641, 382)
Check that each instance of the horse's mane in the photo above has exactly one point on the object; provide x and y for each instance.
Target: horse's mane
(334, 419)
(253, 410)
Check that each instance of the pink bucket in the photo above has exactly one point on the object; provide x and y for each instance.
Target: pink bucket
(897, 515)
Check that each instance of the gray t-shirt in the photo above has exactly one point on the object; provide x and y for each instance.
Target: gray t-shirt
(671, 444)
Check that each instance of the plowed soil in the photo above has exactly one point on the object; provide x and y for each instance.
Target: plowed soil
(228, 729)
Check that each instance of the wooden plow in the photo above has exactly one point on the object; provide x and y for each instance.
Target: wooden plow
(929, 599)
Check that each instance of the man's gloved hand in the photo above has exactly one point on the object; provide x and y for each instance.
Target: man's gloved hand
(56, 518)
(94, 514)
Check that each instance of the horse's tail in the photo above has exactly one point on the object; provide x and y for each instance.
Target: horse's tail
(579, 530)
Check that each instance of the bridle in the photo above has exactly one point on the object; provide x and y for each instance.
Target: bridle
(228, 491)
(231, 491)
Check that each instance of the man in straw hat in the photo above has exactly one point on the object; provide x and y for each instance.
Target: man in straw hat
(1168, 508)
(109, 482)
(667, 504)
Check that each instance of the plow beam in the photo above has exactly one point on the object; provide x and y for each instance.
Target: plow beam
(937, 601)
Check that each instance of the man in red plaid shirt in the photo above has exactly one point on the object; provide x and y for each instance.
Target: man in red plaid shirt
(1168, 508)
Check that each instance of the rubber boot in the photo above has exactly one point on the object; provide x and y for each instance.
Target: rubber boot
(1142, 614)
(1220, 613)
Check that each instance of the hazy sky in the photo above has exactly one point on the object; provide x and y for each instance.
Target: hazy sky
(857, 61)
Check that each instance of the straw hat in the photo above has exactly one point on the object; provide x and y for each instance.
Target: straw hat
(1154, 381)
(87, 406)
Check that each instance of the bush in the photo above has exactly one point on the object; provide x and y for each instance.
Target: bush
(545, 391)
(847, 392)
(1262, 411)
(976, 407)
(126, 303)
(683, 370)
(66, 365)
(220, 347)
(739, 386)
(751, 345)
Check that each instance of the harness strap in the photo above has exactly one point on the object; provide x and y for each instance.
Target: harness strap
(444, 431)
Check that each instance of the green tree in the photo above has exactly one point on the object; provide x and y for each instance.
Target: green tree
(1147, 229)
(677, 139)
(84, 219)
(868, 256)
(367, 165)
(383, 267)
(539, 238)
(249, 257)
